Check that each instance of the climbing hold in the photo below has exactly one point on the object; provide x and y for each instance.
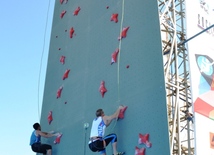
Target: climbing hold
(58, 138)
(102, 88)
(59, 91)
(127, 66)
(62, 59)
(144, 139)
(107, 7)
(66, 74)
(50, 118)
(114, 17)
(62, 14)
(114, 56)
(71, 32)
(61, 1)
(123, 33)
(139, 151)
(122, 111)
(76, 11)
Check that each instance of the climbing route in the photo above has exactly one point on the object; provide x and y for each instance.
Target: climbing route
(80, 75)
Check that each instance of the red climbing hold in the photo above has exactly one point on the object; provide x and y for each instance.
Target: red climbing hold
(59, 91)
(144, 139)
(58, 138)
(76, 11)
(62, 59)
(114, 17)
(71, 32)
(50, 118)
(122, 111)
(62, 14)
(102, 88)
(61, 1)
(123, 33)
(66, 74)
(139, 151)
(114, 56)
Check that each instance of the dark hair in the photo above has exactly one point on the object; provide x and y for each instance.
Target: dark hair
(99, 112)
(36, 126)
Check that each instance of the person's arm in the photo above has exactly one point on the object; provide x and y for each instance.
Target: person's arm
(108, 119)
(46, 135)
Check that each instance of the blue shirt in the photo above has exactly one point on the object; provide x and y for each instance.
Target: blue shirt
(34, 138)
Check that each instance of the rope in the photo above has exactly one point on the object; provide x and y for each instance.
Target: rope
(118, 66)
(120, 44)
(43, 49)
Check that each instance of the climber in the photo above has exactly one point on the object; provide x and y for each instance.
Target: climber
(35, 140)
(98, 141)
(188, 115)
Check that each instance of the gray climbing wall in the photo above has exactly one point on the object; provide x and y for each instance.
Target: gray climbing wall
(135, 80)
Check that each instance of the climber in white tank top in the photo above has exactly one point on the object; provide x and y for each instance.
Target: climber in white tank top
(98, 141)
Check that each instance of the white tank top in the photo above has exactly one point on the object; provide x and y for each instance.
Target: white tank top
(98, 127)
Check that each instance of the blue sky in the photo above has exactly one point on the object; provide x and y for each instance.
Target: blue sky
(22, 31)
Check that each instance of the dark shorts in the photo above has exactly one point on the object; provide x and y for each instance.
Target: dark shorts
(40, 148)
(97, 145)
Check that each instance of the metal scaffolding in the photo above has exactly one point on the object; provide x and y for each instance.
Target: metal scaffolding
(177, 78)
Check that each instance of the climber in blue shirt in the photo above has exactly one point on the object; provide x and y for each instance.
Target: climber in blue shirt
(35, 140)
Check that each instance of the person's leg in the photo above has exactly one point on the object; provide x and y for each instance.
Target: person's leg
(46, 149)
(114, 146)
(113, 139)
(103, 152)
(49, 152)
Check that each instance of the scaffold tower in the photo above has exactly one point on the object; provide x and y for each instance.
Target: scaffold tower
(177, 77)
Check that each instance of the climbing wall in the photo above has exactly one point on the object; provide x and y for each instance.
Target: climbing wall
(106, 53)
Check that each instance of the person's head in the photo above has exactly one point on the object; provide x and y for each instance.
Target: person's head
(37, 126)
(99, 112)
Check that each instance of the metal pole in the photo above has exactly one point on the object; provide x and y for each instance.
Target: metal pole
(185, 41)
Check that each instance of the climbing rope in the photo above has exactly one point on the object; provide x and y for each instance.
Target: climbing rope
(43, 49)
(120, 44)
(118, 66)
